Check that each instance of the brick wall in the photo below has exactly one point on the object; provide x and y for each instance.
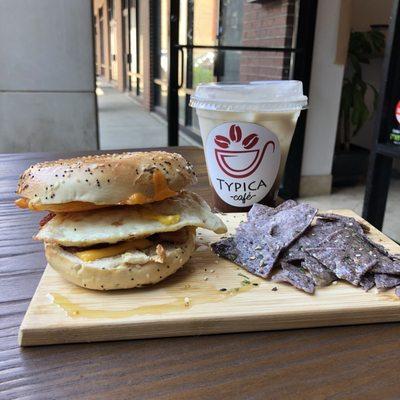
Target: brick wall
(267, 24)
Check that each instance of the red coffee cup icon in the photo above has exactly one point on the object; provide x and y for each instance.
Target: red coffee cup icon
(240, 163)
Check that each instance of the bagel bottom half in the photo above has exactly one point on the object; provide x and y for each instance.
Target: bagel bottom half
(125, 271)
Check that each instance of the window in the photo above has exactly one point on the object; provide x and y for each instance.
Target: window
(161, 54)
(132, 48)
(224, 23)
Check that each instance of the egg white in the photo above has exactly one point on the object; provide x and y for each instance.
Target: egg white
(115, 224)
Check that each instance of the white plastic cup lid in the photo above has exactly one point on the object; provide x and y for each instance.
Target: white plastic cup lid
(259, 96)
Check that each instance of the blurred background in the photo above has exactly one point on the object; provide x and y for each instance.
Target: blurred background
(94, 74)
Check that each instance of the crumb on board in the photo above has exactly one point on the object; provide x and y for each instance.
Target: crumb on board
(187, 301)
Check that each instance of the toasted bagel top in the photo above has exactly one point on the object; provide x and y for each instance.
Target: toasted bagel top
(85, 183)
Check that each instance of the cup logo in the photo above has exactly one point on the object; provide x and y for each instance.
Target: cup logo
(240, 163)
(243, 162)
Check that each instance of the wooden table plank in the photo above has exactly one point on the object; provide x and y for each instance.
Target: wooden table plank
(341, 363)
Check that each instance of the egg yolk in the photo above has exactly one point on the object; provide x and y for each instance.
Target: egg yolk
(113, 250)
(161, 191)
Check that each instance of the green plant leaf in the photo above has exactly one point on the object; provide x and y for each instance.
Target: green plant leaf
(354, 62)
(363, 87)
(376, 96)
(377, 40)
(347, 97)
(353, 109)
(360, 111)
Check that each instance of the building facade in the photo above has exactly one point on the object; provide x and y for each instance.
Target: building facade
(122, 43)
(131, 41)
(132, 52)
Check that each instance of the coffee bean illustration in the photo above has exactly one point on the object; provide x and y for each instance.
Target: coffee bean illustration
(222, 141)
(235, 133)
(250, 141)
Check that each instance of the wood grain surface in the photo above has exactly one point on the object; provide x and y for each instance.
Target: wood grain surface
(352, 362)
(220, 298)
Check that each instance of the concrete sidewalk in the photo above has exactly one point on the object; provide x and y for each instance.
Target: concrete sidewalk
(124, 124)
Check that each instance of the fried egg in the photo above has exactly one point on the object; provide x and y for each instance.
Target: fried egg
(115, 224)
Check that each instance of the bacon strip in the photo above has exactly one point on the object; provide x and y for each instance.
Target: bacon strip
(46, 219)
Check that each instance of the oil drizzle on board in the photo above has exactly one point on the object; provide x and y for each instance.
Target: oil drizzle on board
(76, 310)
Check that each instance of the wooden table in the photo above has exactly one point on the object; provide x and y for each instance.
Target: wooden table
(337, 363)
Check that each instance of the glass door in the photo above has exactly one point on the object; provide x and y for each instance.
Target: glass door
(134, 46)
(227, 64)
(126, 45)
(130, 14)
(113, 40)
(161, 13)
(101, 37)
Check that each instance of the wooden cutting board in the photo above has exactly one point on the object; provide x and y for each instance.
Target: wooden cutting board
(209, 295)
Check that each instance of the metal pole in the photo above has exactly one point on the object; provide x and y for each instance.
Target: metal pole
(173, 99)
(302, 72)
(380, 165)
(189, 63)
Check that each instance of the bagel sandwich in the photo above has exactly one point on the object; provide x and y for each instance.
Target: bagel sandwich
(116, 221)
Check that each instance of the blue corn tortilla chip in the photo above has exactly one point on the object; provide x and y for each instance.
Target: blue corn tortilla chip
(295, 276)
(385, 281)
(335, 247)
(342, 221)
(359, 247)
(386, 264)
(259, 241)
(397, 291)
(226, 248)
(367, 281)
(321, 275)
(325, 225)
(343, 265)
(261, 211)
(346, 254)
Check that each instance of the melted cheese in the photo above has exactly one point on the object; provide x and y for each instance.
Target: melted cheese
(113, 250)
(161, 191)
(164, 219)
(71, 206)
(22, 202)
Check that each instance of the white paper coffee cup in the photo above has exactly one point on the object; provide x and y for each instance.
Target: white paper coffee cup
(246, 131)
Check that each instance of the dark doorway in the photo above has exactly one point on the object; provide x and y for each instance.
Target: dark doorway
(130, 25)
